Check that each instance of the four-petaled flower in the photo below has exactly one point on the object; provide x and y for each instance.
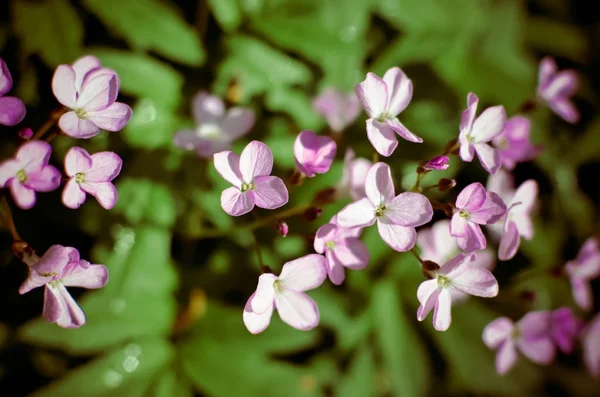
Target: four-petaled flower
(383, 100)
(29, 172)
(531, 335)
(458, 273)
(582, 270)
(12, 109)
(313, 154)
(565, 329)
(90, 92)
(58, 268)
(342, 248)
(250, 176)
(474, 207)
(476, 132)
(556, 89)
(91, 174)
(286, 294)
(513, 143)
(591, 347)
(339, 109)
(353, 176)
(396, 216)
(216, 128)
(517, 222)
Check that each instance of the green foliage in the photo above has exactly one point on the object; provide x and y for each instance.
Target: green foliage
(142, 201)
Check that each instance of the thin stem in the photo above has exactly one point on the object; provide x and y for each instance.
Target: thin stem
(426, 188)
(414, 252)
(375, 157)
(261, 263)
(415, 188)
(10, 223)
(44, 128)
(51, 137)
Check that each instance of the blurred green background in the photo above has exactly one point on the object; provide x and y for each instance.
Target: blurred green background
(169, 323)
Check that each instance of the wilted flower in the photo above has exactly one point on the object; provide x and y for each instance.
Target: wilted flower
(58, 268)
(556, 89)
(460, 274)
(250, 176)
(286, 293)
(353, 176)
(476, 132)
(582, 270)
(383, 100)
(29, 172)
(313, 154)
(339, 109)
(565, 329)
(91, 174)
(216, 128)
(12, 109)
(90, 91)
(513, 143)
(396, 216)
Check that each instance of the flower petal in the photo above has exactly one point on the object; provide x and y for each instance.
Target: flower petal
(382, 137)
(489, 157)
(105, 167)
(77, 160)
(547, 69)
(264, 294)
(8, 170)
(12, 111)
(360, 213)
(55, 259)
(313, 154)
(582, 293)
(467, 149)
(538, 350)
(459, 226)
(34, 280)
(468, 115)
(63, 86)
(235, 202)
(335, 270)
(75, 127)
(399, 89)
(506, 357)
(105, 193)
(227, 164)
(536, 324)
(491, 211)
(113, 118)
(237, 122)
(476, 281)
(324, 234)
(373, 95)
(565, 109)
(86, 275)
(73, 196)
(427, 294)
(563, 84)
(97, 93)
(46, 179)
(404, 132)
(297, 309)
(256, 160)
(489, 124)
(442, 313)
(256, 323)
(24, 197)
(409, 209)
(270, 192)
(207, 109)
(6, 81)
(352, 254)
(379, 186)
(498, 331)
(34, 155)
(83, 66)
(399, 238)
(474, 240)
(471, 197)
(509, 243)
(305, 273)
(61, 308)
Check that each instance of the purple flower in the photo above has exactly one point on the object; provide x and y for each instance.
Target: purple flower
(531, 336)
(460, 274)
(591, 347)
(439, 163)
(582, 270)
(517, 221)
(556, 89)
(313, 154)
(286, 294)
(396, 216)
(12, 110)
(383, 100)
(215, 128)
(25, 133)
(58, 268)
(565, 329)
(475, 206)
(90, 91)
(476, 132)
(342, 248)
(439, 246)
(250, 176)
(339, 109)
(91, 174)
(353, 176)
(29, 172)
(513, 143)
(282, 228)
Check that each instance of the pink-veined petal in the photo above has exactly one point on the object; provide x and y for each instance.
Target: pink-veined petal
(506, 357)
(105, 167)
(536, 324)
(459, 226)
(34, 280)
(565, 109)
(305, 273)
(86, 275)
(382, 137)
(235, 202)
(360, 213)
(297, 309)
(6, 81)
(55, 260)
(399, 90)
(563, 84)
(399, 238)
(34, 155)
(468, 115)
(471, 197)
(509, 243)
(270, 192)
(105, 193)
(75, 127)
(46, 179)
(61, 308)
(83, 66)
(324, 234)
(98, 93)
(409, 209)
(427, 294)
(63, 86)
(335, 270)
(313, 154)
(457, 265)
(489, 157)
(352, 254)
(404, 132)
(442, 313)
(227, 164)
(207, 109)
(474, 240)
(256, 323)
(373, 95)
(113, 118)
(77, 160)
(489, 124)
(498, 331)
(264, 294)
(237, 122)
(73, 196)
(379, 186)
(8, 170)
(476, 281)
(467, 149)
(256, 160)
(538, 350)
(491, 211)
(358, 175)
(12, 111)
(23, 196)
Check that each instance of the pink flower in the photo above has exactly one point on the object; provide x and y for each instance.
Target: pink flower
(342, 248)
(90, 91)
(517, 221)
(286, 294)
(474, 207)
(282, 228)
(565, 329)
(396, 216)
(91, 174)
(591, 347)
(437, 163)
(339, 109)
(12, 110)
(458, 273)
(476, 132)
(531, 335)
(353, 176)
(313, 154)
(29, 172)
(58, 268)
(25, 133)
(437, 245)
(383, 100)
(556, 89)
(216, 128)
(582, 270)
(513, 143)
(250, 176)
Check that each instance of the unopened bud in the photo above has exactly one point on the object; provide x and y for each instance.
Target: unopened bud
(445, 184)
(296, 178)
(325, 196)
(25, 133)
(452, 147)
(438, 163)
(429, 268)
(282, 228)
(312, 213)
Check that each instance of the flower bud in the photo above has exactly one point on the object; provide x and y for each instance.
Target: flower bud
(325, 196)
(312, 213)
(428, 268)
(437, 163)
(282, 228)
(296, 178)
(25, 133)
(445, 184)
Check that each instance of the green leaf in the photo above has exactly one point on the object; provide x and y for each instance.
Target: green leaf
(227, 13)
(170, 384)
(125, 371)
(144, 76)
(295, 103)
(404, 356)
(360, 379)
(50, 28)
(142, 200)
(151, 25)
(152, 125)
(136, 302)
(552, 36)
